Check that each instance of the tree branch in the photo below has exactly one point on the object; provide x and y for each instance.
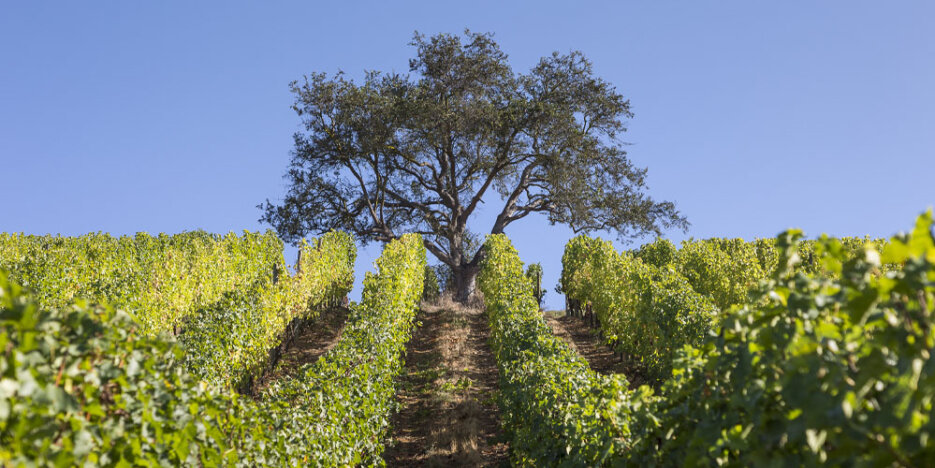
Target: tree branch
(503, 217)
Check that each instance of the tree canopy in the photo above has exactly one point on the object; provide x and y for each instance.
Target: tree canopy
(419, 152)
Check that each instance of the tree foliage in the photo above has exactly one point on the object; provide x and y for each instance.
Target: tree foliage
(419, 153)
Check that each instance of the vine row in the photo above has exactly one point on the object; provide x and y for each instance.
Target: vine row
(85, 384)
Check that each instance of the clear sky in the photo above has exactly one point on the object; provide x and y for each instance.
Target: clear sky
(752, 116)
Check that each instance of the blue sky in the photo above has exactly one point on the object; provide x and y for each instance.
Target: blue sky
(752, 116)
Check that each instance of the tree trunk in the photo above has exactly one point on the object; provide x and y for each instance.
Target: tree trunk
(464, 277)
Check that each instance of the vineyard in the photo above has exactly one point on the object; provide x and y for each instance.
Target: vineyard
(779, 352)
(167, 350)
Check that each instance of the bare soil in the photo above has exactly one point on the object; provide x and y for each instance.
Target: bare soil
(448, 413)
(581, 337)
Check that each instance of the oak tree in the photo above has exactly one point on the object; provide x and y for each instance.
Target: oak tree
(419, 152)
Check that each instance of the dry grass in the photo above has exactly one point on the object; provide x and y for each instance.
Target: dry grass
(455, 438)
(446, 301)
(455, 420)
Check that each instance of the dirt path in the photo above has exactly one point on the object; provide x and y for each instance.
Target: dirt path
(448, 413)
(576, 332)
(315, 339)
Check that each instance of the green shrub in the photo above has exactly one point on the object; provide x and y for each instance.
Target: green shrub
(556, 411)
(661, 253)
(645, 311)
(431, 290)
(84, 385)
(228, 343)
(830, 370)
(534, 275)
(724, 270)
(347, 396)
(159, 279)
